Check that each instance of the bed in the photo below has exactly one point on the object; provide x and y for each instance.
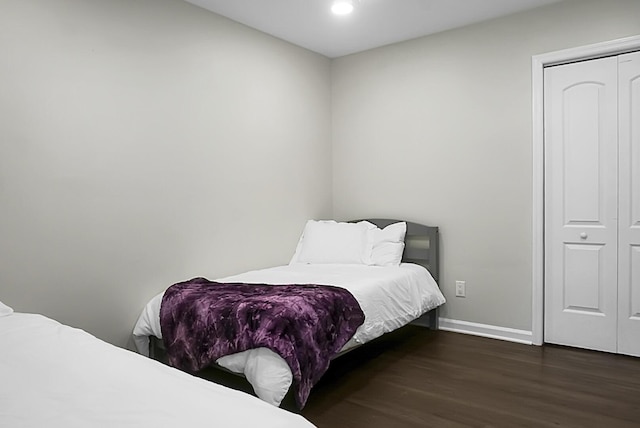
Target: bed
(392, 273)
(53, 375)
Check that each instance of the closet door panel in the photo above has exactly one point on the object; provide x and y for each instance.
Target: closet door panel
(629, 200)
(581, 195)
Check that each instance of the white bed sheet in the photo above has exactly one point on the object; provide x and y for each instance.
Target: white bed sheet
(52, 375)
(390, 297)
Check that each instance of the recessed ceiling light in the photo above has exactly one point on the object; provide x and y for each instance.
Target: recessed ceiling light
(342, 7)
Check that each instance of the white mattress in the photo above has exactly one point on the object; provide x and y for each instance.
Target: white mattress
(390, 297)
(52, 375)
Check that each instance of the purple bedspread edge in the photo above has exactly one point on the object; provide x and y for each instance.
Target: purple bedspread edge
(306, 325)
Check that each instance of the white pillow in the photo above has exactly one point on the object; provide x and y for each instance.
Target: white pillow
(332, 242)
(388, 244)
(5, 310)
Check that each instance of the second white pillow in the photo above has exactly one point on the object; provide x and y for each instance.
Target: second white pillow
(388, 244)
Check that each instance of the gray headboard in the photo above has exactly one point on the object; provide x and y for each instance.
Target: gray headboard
(421, 244)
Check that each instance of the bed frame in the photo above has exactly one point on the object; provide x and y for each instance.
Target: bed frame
(421, 247)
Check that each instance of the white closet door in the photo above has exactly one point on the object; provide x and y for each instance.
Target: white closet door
(629, 222)
(581, 193)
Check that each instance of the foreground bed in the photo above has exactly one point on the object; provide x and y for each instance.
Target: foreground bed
(390, 294)
(52, 375)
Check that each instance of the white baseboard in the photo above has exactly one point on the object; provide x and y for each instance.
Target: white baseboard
(485, 330)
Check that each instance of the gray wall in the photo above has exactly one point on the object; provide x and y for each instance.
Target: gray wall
(438, 130)
(144, 142)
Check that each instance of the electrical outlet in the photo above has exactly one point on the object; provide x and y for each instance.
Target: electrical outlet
(461, 289)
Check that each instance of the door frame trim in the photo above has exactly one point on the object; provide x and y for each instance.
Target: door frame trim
(538, 62)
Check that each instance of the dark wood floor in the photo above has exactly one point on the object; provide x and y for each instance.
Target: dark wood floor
(417, 377)
(422, 378)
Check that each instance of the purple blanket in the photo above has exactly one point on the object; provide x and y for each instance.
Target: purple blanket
(306, 325)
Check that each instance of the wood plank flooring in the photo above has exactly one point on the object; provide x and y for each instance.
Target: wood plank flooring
(421, 378)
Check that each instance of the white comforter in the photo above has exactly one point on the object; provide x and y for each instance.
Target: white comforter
(52, 375)
(390, 297)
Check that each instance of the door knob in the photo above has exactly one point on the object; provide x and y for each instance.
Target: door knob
(583, 235)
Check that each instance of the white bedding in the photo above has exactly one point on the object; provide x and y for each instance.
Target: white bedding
(389, 296)
(52, 375)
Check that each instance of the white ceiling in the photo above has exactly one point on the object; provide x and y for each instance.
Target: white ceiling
(310, 23)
